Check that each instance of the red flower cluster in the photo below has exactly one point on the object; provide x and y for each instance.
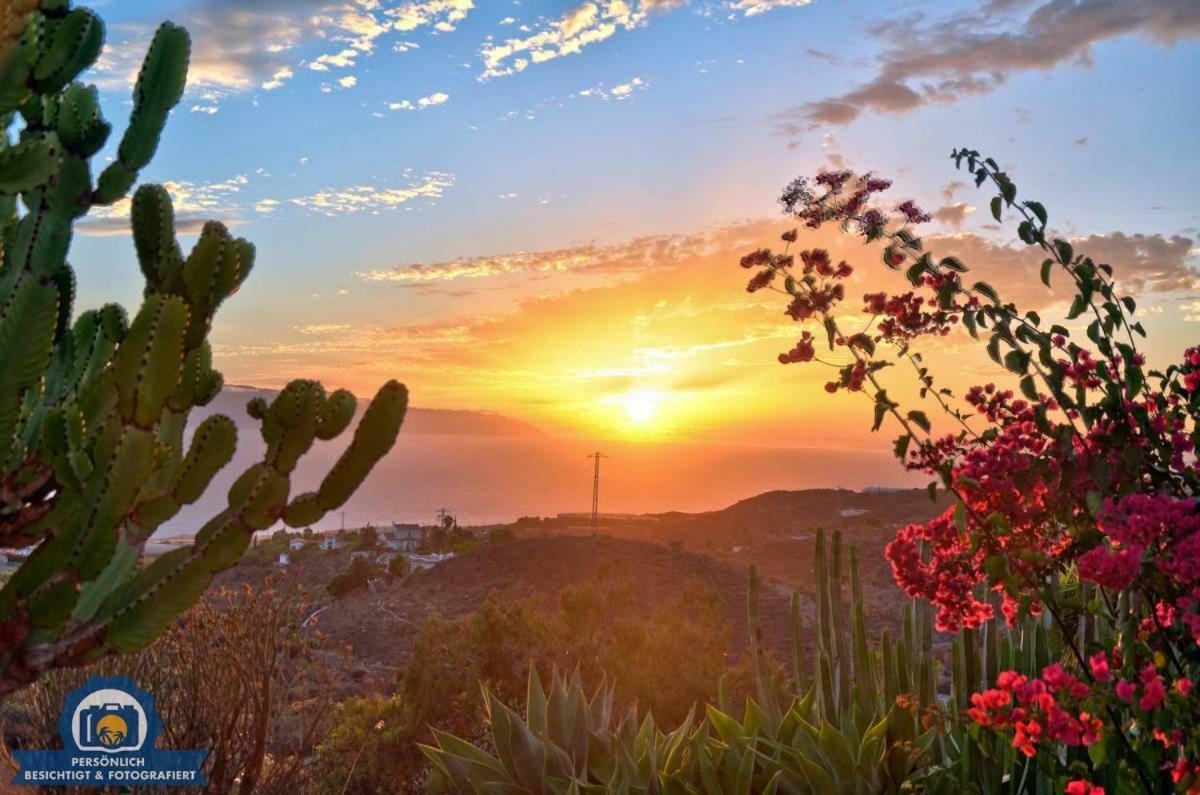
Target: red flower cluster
(906, 317)
(912, 213)
(1034, 709)
(755, 258)
(760, 280)
(1093, 473)
(1191, 379)
(817, 261)
(802, 351)
(1082, 370)
(1159, 529)
(818, 300)
(800, 200)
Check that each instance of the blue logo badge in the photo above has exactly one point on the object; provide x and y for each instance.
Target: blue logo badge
(108, 730)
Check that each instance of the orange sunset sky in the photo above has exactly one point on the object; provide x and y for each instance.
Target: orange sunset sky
(537, 209)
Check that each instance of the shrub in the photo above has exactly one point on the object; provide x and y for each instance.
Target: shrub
(839, 734)
(274, 699)
(441, 540)
(501, 535)
(365, 749)
(398, 565)
(1074, 481)
(355, 578)
(368, 539)
(664, 662)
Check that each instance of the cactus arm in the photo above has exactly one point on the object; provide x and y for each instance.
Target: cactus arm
(28, 164)
(159, 88)
(256, 501)
(93, 412)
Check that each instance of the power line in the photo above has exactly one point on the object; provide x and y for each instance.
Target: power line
(596, 491)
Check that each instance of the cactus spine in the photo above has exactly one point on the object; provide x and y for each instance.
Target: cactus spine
(92, 412)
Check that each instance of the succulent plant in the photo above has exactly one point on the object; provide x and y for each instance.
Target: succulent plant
(93, 408)
(864, 720)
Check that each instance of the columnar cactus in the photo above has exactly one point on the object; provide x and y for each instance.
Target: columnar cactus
(93, 409)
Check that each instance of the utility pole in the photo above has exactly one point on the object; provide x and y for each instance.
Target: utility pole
(596, 492)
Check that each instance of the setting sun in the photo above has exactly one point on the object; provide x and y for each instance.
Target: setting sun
(641, 405)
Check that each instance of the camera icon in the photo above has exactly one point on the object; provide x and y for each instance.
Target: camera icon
(109, 726)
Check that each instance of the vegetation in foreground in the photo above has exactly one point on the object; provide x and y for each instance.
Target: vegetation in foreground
(93, 408)
(1066, 569)
(274, 704)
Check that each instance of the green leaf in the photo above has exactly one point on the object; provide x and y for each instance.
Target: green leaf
(996, 208)
(1017, 361)
(1066, 254)
(1037, 209)
(993, 348)
(1025, 232)
(880, 413)
(920, 419)
(1046, 267)
(830, 331)
(960, 516)
(986, 290)
(1078, 307)
(1135, 380)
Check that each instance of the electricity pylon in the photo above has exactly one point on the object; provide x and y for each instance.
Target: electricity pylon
(596, 492)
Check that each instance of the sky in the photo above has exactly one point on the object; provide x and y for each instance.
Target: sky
(536, 208)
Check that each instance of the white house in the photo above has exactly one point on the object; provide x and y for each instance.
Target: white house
(402, 537)
(330, 543)
(297, 544)
(284, 559)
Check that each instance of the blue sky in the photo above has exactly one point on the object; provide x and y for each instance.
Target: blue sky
(353, 139)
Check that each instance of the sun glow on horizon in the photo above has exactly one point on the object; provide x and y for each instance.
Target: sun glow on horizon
(641, 405)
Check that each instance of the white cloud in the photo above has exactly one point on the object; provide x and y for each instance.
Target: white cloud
(239, 47)
(619, 92)
(351, 199)
(194, 203)
(588, 23)
(433, 100)
(281, 75)
(754, 7)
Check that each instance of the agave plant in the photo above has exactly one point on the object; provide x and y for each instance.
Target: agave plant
(838, 735)
(864, 721)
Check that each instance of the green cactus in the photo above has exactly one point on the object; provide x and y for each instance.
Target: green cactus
(93, 412)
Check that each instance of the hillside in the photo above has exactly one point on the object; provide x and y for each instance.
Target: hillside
(776, 531)
(380, 627)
